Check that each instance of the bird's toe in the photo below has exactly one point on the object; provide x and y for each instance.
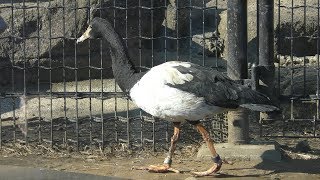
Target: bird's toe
(214, 169)
(158, 168)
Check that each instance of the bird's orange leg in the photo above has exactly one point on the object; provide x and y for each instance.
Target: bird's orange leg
(166, 167)
(215, 157)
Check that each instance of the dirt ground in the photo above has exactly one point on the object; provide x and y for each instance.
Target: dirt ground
(120, 164)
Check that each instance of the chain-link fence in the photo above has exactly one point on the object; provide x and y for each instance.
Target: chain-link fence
(60, 93)
(56, 92)
(297, 69)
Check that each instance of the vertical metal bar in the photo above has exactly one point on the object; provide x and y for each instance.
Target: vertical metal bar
(152, 36)
(278, 51)
(203, 35)
(279, 69)
(314, 125)
(115, 84)
(0, 123)
(257, 1)
(102, 90)
(12, 75)
(216, 41)
(167, 134)
(238, 125)
(165, 58)
(64, 74)
(24, 72)
(279, 46)
(50, 76)
(90, 80)
(128, 126)
(318, 51)
(38, 74)
(177, 27)
(141, 130)
(140, 64)
(139, 29)
(266, 50)
(304, 57)
(154, 135)
(318, 67)
(291, 50)
(221, 128)
(165, 33)
(128, 119)
(260, 128)
(190, 29)
(152, 58)
(291, 57)
(76, 75)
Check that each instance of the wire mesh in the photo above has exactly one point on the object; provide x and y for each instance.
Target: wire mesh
(297, 78)
(61, 94)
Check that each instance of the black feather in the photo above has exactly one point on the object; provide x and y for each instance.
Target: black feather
(219, 90)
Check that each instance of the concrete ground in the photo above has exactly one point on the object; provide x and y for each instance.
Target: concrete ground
(252, 152)
(28, 173)
(120, 166)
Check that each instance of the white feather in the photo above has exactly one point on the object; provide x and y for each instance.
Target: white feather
(153, 95)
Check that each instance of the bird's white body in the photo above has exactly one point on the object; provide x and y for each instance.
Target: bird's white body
(154, 95)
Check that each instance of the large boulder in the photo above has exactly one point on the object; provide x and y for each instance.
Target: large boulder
(195, 28)
(301, 46)
(54, 23)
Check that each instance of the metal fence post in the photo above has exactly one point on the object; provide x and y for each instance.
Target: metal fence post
(266, 50)
(238, 124)
(266, 43)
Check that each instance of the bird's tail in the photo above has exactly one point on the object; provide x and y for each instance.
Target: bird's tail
(260, 107)
(256, 101)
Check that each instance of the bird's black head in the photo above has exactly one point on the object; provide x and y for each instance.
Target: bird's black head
(94, 30)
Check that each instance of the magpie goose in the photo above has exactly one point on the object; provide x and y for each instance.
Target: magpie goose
(176, 91)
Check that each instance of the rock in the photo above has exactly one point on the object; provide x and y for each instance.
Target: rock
(178, 17)
(301, 46)
(299, 80)
(210, 42)
(307, 156)
(51, 25)
(150, 20)
(49, 19)
(178, 20)
(303, 146)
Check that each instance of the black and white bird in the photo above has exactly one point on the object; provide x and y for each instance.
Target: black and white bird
(176, 91)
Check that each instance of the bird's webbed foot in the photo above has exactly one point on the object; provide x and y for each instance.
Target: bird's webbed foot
(164, 168)
(214, 169)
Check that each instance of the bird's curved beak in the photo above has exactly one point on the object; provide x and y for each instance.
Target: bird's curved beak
(85, 35)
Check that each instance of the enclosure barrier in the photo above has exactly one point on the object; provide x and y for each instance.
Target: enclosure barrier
(40, 81)
(58, 93)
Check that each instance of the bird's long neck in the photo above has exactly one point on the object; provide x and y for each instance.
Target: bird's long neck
(124, 70)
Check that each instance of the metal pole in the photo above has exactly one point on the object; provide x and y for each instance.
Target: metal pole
(266, 45)
(238, 124)
(266, 51)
